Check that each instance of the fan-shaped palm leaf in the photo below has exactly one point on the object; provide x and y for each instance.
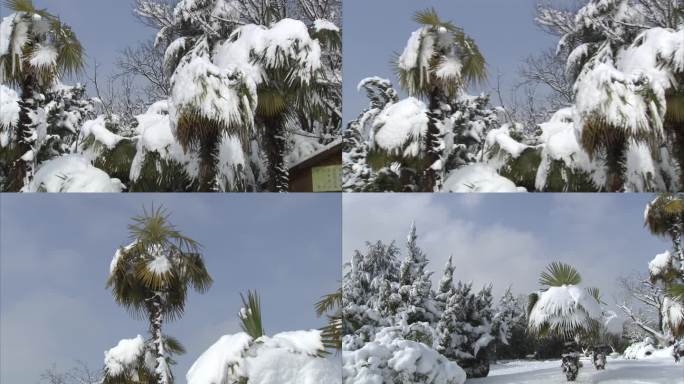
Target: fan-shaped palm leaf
(558, 274)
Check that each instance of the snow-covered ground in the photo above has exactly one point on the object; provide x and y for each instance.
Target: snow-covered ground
(618, 371)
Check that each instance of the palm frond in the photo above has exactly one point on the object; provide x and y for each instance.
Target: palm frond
(250, 315)
(558, 274)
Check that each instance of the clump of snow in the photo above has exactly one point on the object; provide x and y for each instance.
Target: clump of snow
(449, 69)
(9, 114)
(199, 86)
(117, 256)
(72, 173)
(389, 359)
(560, 141)
(661, 263)
(231, 160)
(564, 307)
(673, 313)
(123, 355)
(502, 137)
(96, 128)
(286, 358)
(400, 127)
(640, 350)
(6, 33)
(325, 25)
(155, 136)
(286, 44)
(478, 177)
(43, 56)
(418, 51)
(159, 265)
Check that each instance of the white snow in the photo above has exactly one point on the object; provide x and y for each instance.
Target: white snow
(560, 141)
(389, 358)
(325, 25)
(478, 177)
(449, 69)
(400, 127)
(6, 33)
(618, 371)
(72, 173)
(502, 137)
(154, 129)
(212, 367)
(660, 263)
(286, 358)
(43, 56)
(159, 265)
(117, 256)
(564, 307)
(418, 50)
(9, 113)
(97, 129)
(123, 355)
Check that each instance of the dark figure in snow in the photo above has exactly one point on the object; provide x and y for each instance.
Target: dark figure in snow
(570, 362)
(678, 350)
(598, 357)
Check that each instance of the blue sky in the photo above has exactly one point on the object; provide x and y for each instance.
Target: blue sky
(508, 239)
(375, 30)
(55, 252)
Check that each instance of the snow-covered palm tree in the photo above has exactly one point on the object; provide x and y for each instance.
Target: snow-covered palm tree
(562, 307)
(36, 49)
(664, 216)
(438, 61)
(150, 277)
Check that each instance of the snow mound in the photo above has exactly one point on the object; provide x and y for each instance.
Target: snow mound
(478, 178)
(391, 359)
(286, 358)
(123, 355)
(325, 25)
(399, 128)
(72, 173)
(643, 349)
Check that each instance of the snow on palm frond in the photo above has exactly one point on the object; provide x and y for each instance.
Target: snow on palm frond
(564, 310)
(663, 213)
(250, 315)
(673, 310)
(563, 307)
(438, 54)
(400, 128)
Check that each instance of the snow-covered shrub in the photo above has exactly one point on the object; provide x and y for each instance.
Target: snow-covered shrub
(386, 299)
(72, 173)
(285, 358)
(390, 358)
(641, 349)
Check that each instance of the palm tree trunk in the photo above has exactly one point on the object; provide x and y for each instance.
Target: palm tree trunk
(22, 169)
(278, 179)
(615, 161)
(429, 179)
(679, 152)
(161, 369)
(207, 166)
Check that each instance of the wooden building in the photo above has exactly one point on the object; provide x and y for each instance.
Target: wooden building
(320, 172)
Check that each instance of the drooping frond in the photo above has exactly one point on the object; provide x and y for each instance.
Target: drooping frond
(663, 213)
(558, 274)
(331, 333)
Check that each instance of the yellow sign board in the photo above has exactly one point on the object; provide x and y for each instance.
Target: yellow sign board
(327, 178)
